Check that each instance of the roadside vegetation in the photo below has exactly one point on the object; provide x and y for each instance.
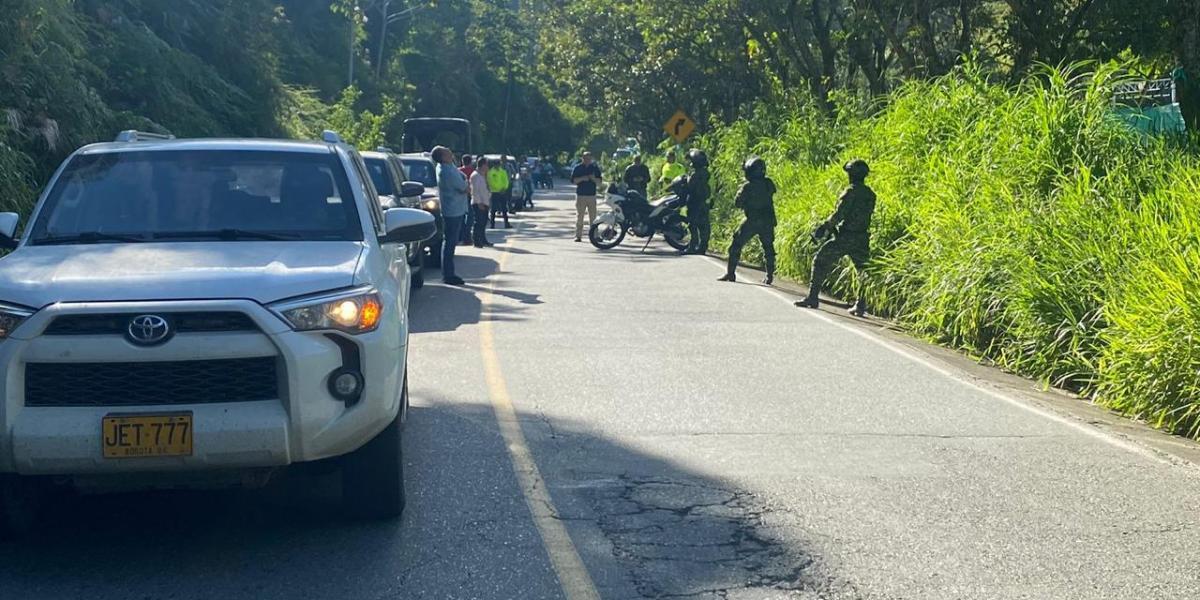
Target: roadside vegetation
(78, 71)
(1021, 223)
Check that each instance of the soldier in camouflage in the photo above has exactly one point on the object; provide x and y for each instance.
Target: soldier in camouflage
(850, 227)
(756, 198)
(697, 203)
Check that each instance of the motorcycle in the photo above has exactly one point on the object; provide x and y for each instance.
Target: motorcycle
(631, 213)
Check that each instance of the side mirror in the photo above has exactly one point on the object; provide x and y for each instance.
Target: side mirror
(411, 188)
(8, 229)
(407, 225)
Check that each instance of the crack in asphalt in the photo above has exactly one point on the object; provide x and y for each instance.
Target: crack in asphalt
(682, 539)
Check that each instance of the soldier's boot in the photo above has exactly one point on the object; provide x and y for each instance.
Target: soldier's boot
(727, 277)
(770, 278)
(807, 303)
(858, 309)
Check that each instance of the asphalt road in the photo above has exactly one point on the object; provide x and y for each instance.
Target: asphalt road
(621, 425)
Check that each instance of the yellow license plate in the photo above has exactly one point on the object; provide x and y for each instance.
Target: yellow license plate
(137, 436)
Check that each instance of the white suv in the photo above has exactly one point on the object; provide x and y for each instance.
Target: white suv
(198, 312)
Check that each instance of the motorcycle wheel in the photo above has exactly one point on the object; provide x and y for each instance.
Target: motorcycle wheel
(677, 233)
(606, 236)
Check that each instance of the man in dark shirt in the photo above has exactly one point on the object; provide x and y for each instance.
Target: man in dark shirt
(850, 226)
(586, 178)
(637, 176)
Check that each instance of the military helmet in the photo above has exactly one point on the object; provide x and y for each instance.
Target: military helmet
(858, 169)
(755, 168)
(697, 157)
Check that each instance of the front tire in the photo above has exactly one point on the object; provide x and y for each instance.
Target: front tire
(676, 232)
(435, 254)
(19, 502)
(606, 236)
(373, 475)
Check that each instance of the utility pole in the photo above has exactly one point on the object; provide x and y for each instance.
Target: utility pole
(516, 7)
(353, 34)
(383, 12)
(388, 19)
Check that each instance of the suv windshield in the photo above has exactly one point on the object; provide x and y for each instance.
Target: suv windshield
(199, 194)
(421, 170)
(378, 169)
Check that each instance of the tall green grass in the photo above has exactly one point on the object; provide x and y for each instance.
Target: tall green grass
(1024, 224)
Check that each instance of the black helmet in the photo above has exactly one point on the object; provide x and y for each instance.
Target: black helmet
(697, 157)
(857, 169)
(755, 168)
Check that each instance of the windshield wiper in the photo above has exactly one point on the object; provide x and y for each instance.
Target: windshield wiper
(89, 237)
(224, 234)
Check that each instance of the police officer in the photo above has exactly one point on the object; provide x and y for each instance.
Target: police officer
(697, 203)
(850, 226)
(756, 198)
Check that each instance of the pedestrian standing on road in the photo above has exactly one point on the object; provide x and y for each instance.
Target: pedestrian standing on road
(547, 168)
(468, 169)
(697, 203)
(452, 191)
(756, 198)
(480, 203)
(500, 185)
(670, 170)
(850, 227)
(526, 179)
(637, 175)
(587, 178)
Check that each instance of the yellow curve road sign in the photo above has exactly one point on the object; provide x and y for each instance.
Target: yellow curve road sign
(679, 126)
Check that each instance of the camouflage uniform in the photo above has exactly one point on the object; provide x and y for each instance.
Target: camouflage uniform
(757, 199)
(850, 225)
(698, 211)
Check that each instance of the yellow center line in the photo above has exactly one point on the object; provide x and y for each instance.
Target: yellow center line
(572, 575)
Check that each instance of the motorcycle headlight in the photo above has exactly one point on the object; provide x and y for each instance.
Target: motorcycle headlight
(352, 312)
(11, 317)
(431, 205)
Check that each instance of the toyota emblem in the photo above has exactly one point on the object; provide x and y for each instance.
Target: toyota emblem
(149, 330)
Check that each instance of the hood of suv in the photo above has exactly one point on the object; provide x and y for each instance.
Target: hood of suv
(36, 276)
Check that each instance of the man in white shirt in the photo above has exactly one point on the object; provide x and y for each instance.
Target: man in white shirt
(481, 201)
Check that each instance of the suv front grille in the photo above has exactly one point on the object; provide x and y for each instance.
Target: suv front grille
(151, 383)
(118, 323)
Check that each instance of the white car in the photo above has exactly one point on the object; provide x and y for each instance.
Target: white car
(189, 313)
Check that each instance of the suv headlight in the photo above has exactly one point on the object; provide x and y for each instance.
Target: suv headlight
(11, 317)
(352, 312)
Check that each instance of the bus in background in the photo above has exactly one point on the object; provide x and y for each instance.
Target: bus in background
(423, 133)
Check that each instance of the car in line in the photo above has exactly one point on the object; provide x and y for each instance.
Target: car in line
(419, 167)
(395, 190)
(205, 312)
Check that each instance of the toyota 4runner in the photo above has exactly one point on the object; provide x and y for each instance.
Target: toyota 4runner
(179, 312)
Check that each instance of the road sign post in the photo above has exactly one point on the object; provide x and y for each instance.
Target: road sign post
(680, 126)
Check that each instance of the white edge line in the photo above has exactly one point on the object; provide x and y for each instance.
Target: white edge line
(964, 380)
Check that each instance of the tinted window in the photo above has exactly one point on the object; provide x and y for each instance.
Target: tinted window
(422, 171)
(147, 194)
(378, 169)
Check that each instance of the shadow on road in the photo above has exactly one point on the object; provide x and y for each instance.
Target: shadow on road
(644, 528)
(440, 307)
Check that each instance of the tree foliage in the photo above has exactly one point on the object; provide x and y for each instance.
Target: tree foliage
(631, 63)
(78, 71)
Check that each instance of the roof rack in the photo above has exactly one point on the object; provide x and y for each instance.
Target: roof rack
(330, 136)
(1155, 92)
(133, 135)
